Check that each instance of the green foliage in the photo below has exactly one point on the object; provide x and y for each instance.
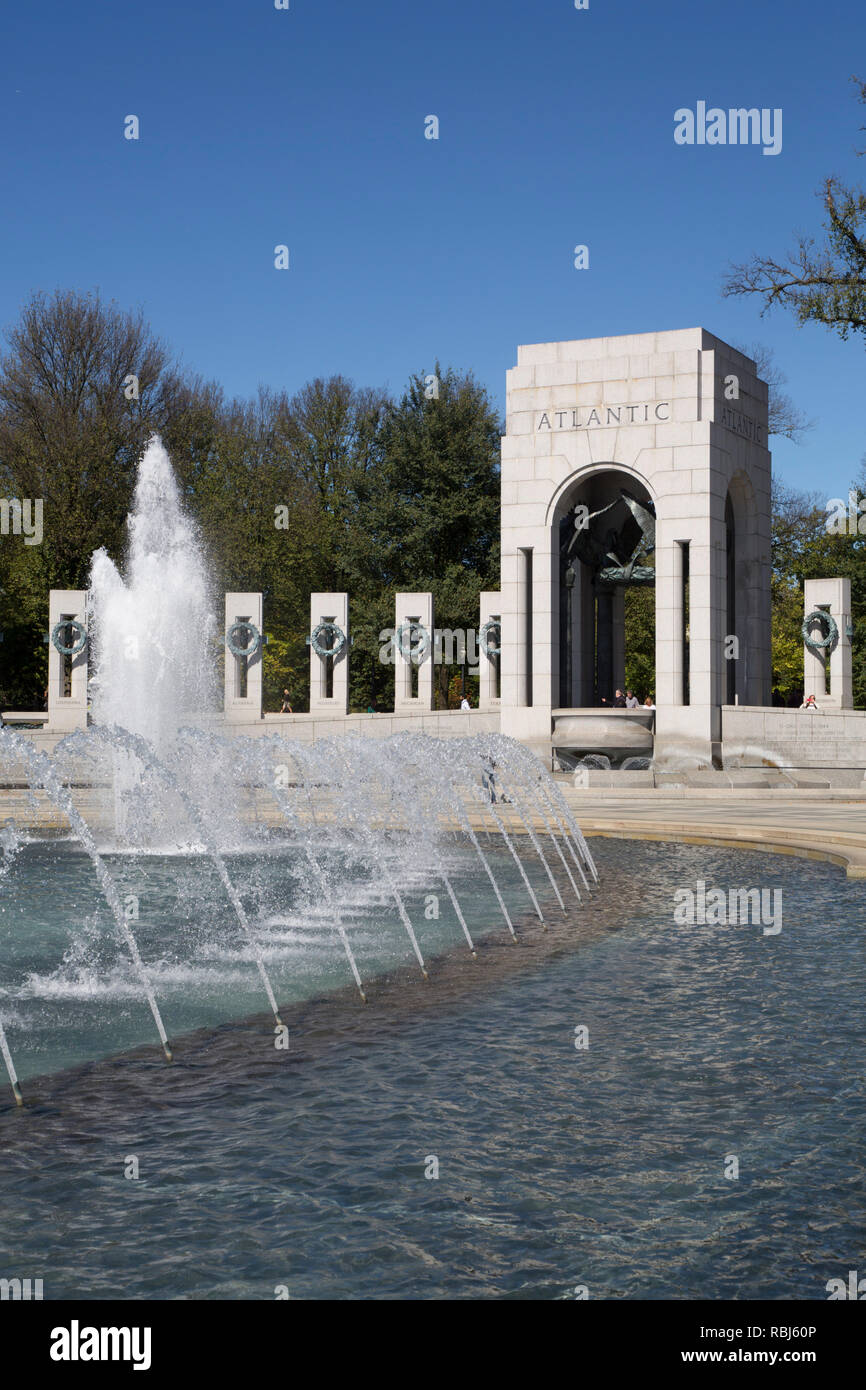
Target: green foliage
(640, 637)
(787, 600)
(285, 667)
(430, 512)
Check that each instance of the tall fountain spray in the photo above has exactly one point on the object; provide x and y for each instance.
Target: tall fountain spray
(152, 632)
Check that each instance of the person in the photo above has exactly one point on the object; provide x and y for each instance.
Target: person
(648, 703)
(488, 776)
(811, 703)
(371, 708)
(631, 700)
(285, 707)
(464, 703)
(619, 701)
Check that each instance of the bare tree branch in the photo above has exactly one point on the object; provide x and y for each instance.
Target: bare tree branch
(819, 284)
(785, 418)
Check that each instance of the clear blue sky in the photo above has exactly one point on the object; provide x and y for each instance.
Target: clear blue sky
(306, 127)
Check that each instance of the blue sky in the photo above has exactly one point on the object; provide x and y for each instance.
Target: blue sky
(306, 127)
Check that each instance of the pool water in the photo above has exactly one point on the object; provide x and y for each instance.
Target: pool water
(69, 991)
(449, 1139)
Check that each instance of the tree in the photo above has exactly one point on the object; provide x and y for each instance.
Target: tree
(82, 386)
(69, 432)
(784, 417)
(259, 516)
(640, 636)
(432, 518)
(328, 437)
(818, 283)
(326, 453)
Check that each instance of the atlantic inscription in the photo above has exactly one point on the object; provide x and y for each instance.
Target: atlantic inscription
(741, 424)
(602, 416)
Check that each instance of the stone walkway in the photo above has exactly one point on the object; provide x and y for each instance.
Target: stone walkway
(816, 825)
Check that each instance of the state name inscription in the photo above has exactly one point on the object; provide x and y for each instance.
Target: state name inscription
(741, 424)
(602, 416)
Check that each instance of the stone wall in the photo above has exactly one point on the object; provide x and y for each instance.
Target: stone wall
(794, 738)
(306, 728)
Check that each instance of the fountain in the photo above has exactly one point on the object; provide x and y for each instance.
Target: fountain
(226, 860)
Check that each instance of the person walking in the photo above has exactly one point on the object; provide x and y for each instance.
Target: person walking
(285, 707)
(631, 700)
(464, 703)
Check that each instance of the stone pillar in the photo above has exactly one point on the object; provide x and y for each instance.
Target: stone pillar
(707, 619)
(416, 610)
(329, 675)
(243, 674)
(66, 711)
(833, 596)
(692, 728)
(604, 645)
(525, 626)
(567, 692)
(669, 623)
(490, 611)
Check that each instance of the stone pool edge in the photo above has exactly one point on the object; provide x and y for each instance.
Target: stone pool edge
(771, 824)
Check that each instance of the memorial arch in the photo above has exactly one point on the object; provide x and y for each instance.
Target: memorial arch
(634, 461)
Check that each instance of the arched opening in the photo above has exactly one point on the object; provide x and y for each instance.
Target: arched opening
(604, 528)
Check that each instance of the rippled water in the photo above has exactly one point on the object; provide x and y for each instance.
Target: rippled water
(558, 1168)
(69, 991)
